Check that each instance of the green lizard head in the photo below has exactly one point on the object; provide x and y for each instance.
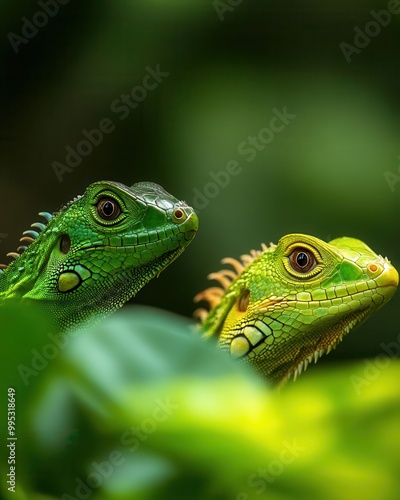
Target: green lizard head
(288, 304)
(99, 250)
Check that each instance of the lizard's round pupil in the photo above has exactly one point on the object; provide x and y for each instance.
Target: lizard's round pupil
(302, 259)
(108, 209)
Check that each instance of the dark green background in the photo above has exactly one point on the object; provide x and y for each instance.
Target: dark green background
(324, 174)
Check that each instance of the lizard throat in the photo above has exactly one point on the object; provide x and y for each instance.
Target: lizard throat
(314, 346)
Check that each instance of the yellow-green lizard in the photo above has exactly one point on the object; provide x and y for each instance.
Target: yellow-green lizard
(98, 251)
(284, 306)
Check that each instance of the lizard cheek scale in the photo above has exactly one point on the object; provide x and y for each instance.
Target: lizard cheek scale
(68, 281)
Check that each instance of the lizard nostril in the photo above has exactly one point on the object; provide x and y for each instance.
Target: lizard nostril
(373, 268)
(179, 215)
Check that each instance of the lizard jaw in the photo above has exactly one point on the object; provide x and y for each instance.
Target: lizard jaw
(328, 344)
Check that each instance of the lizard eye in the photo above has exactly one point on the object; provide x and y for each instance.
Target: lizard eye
(302, 260)
(108, 209)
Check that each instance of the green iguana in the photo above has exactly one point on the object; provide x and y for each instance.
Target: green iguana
(98, 251)
(279, 309)
(285, 306)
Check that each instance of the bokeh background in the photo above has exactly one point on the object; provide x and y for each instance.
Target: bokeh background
(228, 68)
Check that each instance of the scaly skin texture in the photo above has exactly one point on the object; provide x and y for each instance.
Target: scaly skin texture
(98, 251)
(288, 304)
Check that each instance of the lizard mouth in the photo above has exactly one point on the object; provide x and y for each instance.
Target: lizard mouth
(189, 235)
(112, 248)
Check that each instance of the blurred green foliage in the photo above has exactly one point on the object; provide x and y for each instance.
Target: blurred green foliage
(140, 407)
